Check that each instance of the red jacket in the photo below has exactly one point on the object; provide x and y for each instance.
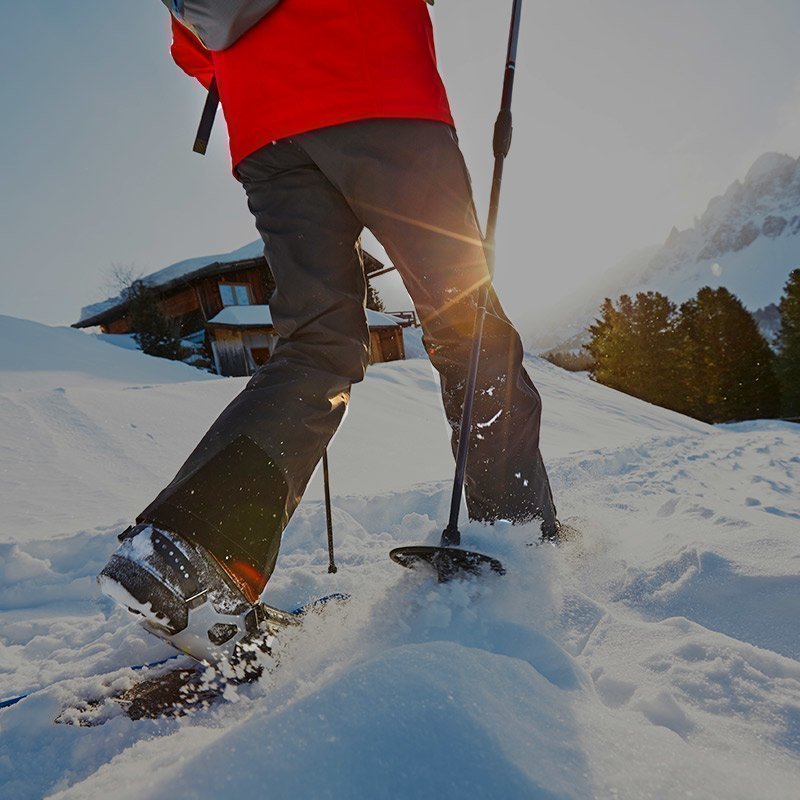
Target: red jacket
(313, 63)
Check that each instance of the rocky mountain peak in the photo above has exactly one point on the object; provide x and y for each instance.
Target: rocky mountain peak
(766, 203)
(768, 167)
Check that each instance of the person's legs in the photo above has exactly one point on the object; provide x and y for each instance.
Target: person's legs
(238, 489)
(406, 180)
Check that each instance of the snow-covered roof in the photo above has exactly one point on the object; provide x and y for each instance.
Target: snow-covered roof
(260, 316)
(377, 319)
(243, 316)
(181, 269)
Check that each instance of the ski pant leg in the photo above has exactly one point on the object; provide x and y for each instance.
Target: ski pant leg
(406, 180)
(241, 484)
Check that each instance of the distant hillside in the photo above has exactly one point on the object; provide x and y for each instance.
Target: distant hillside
(748, 240)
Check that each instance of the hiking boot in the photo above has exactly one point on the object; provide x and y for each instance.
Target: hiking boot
(185, 596)
(558, 534)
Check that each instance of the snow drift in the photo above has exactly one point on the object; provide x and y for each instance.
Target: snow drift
(658, 656)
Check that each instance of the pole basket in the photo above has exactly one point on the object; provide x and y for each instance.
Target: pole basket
(446, 562)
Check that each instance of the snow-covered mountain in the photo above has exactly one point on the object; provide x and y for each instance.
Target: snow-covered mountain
(748, 240)
(659, 657)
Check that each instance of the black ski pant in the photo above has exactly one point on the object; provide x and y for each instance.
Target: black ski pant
(311, 196)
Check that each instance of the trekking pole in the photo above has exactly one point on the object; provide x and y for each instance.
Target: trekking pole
(451, 537)
(328, 513)
(446, 559)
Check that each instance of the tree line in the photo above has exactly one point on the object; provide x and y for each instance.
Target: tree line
(706, 358)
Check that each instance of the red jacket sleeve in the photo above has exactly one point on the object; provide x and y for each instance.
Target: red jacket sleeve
(190, 55)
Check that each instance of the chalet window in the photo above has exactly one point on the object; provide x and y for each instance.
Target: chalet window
(235, 294)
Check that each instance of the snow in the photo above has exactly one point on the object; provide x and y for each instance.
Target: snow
(412, 343)
(756, 274)
(125, 340)
(36, 356)
(257, 316)
(658, 656)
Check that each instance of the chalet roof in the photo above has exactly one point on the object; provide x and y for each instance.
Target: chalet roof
(183, 272)
(260, 317)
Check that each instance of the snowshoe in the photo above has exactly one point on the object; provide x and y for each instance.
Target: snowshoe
(175, 686)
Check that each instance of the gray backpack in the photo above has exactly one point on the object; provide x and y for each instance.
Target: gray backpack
(219, 23)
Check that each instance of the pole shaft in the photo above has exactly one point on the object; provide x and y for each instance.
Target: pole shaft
(501, 145)
(326, 479)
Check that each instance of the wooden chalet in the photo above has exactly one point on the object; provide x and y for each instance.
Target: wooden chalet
(222, 303)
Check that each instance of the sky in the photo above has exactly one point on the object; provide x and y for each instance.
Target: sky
(629, 115)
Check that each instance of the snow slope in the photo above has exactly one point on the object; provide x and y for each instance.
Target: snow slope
(35, 356)
(658, 657)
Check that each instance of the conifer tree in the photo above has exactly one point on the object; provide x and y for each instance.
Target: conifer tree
(656, 370)
(633, 347)
(728, 373)
(788, 342)
(153, 332)
(374, 300)
(610, 343)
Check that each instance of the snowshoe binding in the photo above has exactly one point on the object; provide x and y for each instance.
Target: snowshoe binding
(186, 597)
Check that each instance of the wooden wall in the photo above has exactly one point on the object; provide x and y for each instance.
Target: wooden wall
(386, 344)
(180, 303)
(229, 356)
(241, 352)
(117, 326)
